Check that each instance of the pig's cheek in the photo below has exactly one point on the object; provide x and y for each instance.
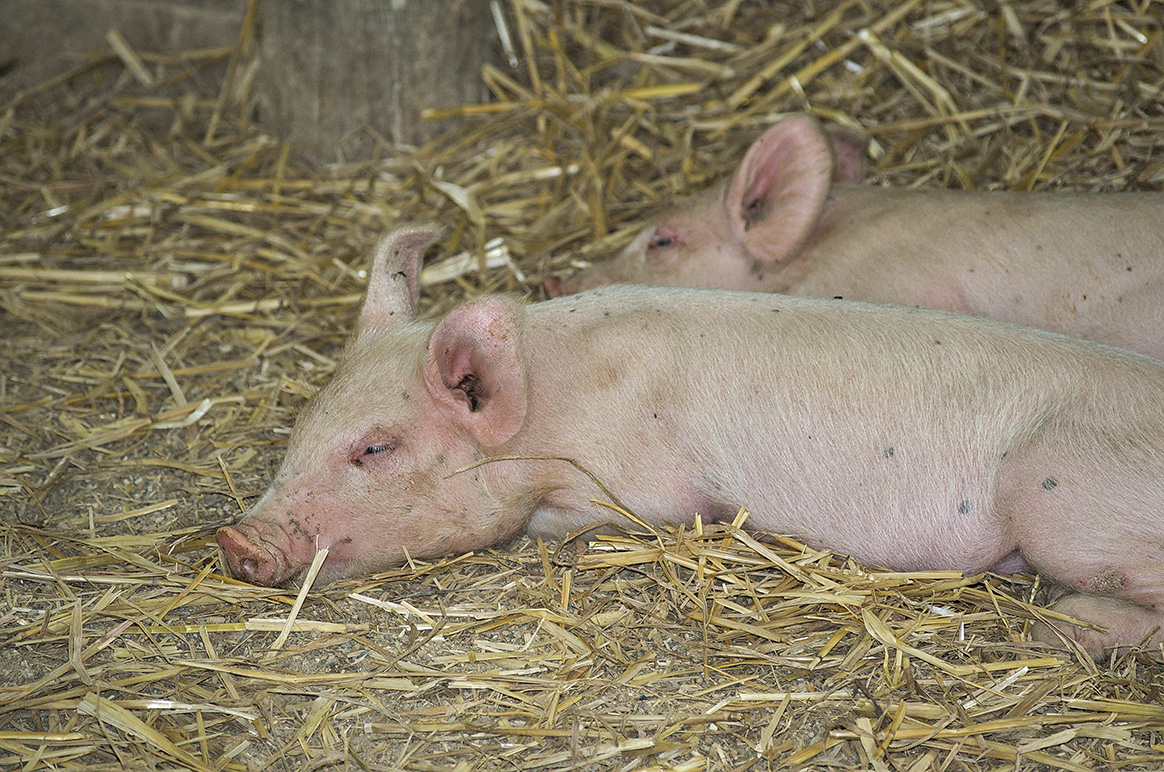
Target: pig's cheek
(468, 501)
(396, 503)
(662, 259)
(303, 525)
(313, 517)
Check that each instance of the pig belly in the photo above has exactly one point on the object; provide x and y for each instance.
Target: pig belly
(902, 476)
(899, 509)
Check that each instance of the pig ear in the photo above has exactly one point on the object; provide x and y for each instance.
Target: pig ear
(393, 279)
(776, 196)
(849, 146)
(473, 369)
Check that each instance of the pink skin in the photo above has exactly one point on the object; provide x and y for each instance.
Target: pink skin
(791, 221)
(908, 438)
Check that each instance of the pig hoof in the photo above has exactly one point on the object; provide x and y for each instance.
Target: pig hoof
(1059, 633)
(1099, 644)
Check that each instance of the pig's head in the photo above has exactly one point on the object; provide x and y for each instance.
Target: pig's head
(374, 468)
(732, 235)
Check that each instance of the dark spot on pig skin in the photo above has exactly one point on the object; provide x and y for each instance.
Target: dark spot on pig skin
(441, 459)
(888, 452)
(964, 507)
(1106, 582)
(296, 526)
(404, 395)
(1049, 483)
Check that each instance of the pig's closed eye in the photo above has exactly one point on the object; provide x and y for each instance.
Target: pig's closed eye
(663, 247)
(373, 450)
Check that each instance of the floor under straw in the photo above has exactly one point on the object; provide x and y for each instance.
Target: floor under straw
(174, 284)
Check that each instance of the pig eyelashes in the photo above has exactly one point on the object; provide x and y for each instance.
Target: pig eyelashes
(658, 253)
(370, 450)
(662, 238)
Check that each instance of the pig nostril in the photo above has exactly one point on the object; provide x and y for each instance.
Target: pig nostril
(249, 567)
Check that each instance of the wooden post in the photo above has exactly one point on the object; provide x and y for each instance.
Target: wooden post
(339, 75)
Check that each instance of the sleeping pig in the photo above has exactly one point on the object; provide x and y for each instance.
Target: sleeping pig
(909, 438)
(1087, 265)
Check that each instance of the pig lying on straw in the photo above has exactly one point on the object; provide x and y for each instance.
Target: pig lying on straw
(909, 438)
(789, 220)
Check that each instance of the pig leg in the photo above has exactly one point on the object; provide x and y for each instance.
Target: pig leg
(1127, 624)
(1085, 507)
(1118, 591)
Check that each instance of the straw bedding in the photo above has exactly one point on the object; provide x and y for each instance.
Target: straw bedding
(174, 284)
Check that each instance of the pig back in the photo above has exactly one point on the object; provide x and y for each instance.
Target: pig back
(1086, 265)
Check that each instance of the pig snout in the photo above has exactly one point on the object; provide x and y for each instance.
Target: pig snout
(253, 560)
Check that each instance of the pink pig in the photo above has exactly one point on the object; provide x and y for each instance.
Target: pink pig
(1084, 264)
(909, 438)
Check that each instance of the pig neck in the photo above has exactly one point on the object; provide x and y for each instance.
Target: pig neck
(847, 210)
(796, 273)
(893, 246)
(596, 376)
